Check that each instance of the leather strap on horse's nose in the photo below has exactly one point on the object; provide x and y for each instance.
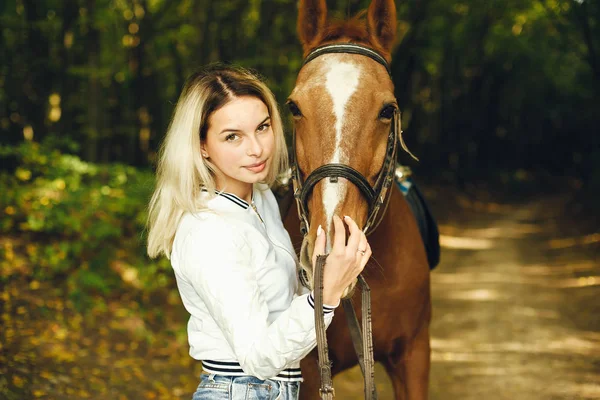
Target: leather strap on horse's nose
(335, 171)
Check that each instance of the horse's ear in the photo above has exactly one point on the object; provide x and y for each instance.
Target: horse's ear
(312, 17)
(381, 22)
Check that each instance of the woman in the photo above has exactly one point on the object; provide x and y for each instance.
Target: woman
(214, 216)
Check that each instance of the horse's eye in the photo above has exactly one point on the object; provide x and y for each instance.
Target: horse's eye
(387, 112)
(294, 109)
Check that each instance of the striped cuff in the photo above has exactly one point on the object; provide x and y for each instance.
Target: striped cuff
(326, 309)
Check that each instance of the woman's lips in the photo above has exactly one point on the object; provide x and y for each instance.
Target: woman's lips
(256, 168)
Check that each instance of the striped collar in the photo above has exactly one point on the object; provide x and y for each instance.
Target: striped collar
(238, 201)
(235, 199)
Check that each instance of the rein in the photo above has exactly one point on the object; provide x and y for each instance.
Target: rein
(362, 339)
(377, 197)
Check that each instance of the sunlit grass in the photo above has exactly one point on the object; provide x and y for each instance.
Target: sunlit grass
(496, 232)
(468, 350)
(564, 243)
(466, 243)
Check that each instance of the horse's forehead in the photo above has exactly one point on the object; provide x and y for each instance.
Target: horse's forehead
(342, 80)
(338, 77)
(328, 70)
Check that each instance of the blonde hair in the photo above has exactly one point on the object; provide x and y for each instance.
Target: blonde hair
(181, 170)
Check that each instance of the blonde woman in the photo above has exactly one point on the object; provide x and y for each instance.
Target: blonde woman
(214, 216)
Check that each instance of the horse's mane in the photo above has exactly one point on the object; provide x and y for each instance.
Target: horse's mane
(353, 30)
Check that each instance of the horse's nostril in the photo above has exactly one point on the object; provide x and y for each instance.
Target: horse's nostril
(305, 254)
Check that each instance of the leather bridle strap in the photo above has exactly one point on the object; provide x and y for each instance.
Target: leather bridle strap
(326, 391)
(348, 48)
(333, 172)
(362, 339)
(376, 196)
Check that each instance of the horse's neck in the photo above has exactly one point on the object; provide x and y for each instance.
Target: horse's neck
(398, 249)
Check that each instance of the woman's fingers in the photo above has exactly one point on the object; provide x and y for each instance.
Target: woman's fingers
(357, 249)
(355, 234)
(320, 242)
(365, 258)
(347, 261)
(339, 234)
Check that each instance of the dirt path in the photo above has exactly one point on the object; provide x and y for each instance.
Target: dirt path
(516, 309)
(516, 316)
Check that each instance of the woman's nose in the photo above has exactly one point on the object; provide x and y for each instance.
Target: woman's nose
(254, 147)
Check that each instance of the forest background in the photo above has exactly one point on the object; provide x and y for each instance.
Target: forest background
(500, 93)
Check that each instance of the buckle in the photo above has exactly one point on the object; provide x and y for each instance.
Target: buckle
(327, 390)
(403, 172)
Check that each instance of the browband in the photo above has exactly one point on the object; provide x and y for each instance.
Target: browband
(351, 49)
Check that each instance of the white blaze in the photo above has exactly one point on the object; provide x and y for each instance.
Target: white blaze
(341, 82)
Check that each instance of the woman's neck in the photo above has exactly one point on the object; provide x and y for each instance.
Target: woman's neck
(240, 189)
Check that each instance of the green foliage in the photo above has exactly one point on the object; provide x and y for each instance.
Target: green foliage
(78, 220)
(497, 86)
(483, 85)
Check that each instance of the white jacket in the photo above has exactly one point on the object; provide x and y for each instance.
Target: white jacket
(235, 268)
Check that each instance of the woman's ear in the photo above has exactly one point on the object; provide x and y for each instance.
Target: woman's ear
(203, 151)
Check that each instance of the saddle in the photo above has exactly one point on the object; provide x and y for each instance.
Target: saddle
(425, 220)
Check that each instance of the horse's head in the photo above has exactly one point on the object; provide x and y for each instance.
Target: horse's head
(343, 106)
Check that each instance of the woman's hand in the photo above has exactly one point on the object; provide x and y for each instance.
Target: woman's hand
(345, 262)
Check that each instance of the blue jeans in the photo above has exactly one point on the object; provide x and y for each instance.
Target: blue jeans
(219, 387)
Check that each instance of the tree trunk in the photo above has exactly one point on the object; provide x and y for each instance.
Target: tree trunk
(93, 94)
(582, 12)
(36, 86)
(65, 84)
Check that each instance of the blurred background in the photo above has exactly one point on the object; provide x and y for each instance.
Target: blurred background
(500, 100)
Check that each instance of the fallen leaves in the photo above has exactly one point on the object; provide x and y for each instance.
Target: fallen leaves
(115, 349)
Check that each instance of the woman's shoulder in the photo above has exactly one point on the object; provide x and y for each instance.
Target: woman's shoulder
(212, 228)
(203, 240)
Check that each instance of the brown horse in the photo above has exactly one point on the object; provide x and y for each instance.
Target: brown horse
(342, 106)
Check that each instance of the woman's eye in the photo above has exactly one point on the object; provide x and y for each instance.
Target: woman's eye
(263, 127)
(231, 138)
(387, 112)
(294, 109)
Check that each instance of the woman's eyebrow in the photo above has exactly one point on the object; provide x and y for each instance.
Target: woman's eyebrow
(232, 130)
(264, 120)
(227, 130)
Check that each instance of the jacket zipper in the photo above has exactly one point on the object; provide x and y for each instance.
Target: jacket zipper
(259, 217)
(267, 233)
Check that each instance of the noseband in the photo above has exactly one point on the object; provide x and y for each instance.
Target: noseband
(377, 196)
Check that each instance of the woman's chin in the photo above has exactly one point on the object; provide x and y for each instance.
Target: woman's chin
(255, 177)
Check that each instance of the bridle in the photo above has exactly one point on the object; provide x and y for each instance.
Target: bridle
(377, 196)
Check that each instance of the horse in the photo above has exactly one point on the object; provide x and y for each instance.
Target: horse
(343, 107)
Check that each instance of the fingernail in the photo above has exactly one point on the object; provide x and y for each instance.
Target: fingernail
(347, 217)
(319, 230)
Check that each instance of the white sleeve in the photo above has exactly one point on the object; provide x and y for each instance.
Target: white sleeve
(218, 268)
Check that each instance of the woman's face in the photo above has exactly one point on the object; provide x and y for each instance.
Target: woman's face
(239, 143)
